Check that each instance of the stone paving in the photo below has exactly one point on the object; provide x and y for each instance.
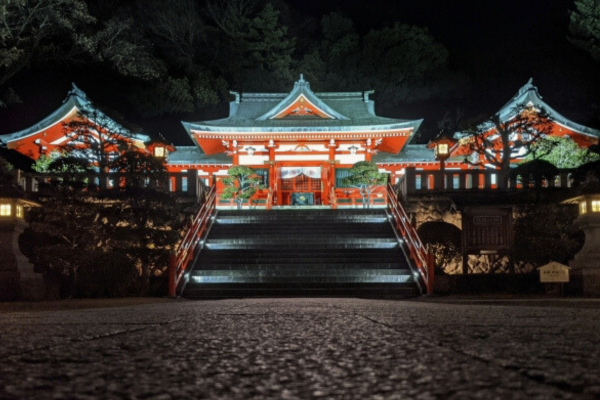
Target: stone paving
(305, 349)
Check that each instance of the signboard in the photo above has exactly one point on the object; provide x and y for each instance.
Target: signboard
(487, 230)
(554, 273)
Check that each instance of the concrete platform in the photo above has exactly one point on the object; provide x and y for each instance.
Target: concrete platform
(429, 348)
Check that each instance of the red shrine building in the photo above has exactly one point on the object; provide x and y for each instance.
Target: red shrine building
(301, 143)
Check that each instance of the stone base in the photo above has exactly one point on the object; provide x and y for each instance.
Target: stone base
(587, 281)
(585, 272)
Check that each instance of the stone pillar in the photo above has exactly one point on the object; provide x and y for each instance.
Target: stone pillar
(17, 277)
(586, 264)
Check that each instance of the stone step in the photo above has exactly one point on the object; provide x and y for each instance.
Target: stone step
(306, 279)
(323, 243)
(301, 252)
(215, 290)
(300, 266)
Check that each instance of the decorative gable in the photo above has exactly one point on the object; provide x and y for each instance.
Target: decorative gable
(302, 107)
(302, 103)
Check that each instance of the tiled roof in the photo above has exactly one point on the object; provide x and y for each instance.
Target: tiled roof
(528, 94)
(351, 111)
(79, 100)
(195, 155)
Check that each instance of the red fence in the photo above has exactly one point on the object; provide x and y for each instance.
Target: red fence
(417, 253)
(187, 249)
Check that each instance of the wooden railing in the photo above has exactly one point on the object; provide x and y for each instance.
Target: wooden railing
(422, 259)
(270, 199)
(420, 182)
(332, 198)
(191, 243)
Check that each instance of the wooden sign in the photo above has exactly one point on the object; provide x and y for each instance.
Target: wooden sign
(487, 230)
(554, 273)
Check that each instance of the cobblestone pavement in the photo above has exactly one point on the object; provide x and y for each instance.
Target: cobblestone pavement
(305, 349)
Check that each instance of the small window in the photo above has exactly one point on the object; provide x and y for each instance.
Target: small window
(5, 210)
(595, 205)
(19, 211)
(184, 184)
(582, 208)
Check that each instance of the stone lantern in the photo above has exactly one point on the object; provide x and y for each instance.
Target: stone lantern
(442, 146)
(585, 266)
(17, 277)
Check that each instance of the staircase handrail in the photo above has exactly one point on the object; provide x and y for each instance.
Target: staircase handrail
(186, 249)
(270, 199)
(422, 259)
(333, 198)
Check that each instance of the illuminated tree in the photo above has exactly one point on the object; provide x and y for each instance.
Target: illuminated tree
(500, 141)
(241, 184)
(96, 139)
(563, 152)
(365, 176)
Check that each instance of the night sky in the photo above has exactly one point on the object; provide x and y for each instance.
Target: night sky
(497, 44)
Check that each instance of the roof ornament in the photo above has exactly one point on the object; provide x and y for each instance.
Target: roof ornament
(302, 83)
(237, 96)
(366, 95)
(527, 87)
(75, 91)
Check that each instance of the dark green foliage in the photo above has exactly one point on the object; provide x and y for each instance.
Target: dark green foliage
(443, 240)
(106, 274)
(545, 233)
(136, 225)
(140, 170)
(533, 174)
(402, 63)
(587, 173)
(440, 231)
(584, 27)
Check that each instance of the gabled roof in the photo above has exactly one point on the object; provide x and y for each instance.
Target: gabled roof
(342, 112)
(529, 95)
(76, 101)
(300, 94)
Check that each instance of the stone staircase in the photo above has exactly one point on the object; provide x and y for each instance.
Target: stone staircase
(320, 252)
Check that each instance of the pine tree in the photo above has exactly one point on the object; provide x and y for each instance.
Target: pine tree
(584, 27)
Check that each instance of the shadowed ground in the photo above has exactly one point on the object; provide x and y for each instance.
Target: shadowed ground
(437, 348)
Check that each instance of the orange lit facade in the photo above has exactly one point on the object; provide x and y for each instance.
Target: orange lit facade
(302, 143)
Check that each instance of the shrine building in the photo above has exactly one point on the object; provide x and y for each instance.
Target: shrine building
(301, 143)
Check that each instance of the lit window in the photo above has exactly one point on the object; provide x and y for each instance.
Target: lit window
(19, 211)
(5, 210)
(595, 205)
(582, 207)
(184, 184)
(159, 152)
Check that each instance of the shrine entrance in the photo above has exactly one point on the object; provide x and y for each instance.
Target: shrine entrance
(301, 186)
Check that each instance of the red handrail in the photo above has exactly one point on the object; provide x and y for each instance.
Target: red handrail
(421, 258)
(186, 250)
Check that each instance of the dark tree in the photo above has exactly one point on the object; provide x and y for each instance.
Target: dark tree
(500, 141)
(584, 27)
